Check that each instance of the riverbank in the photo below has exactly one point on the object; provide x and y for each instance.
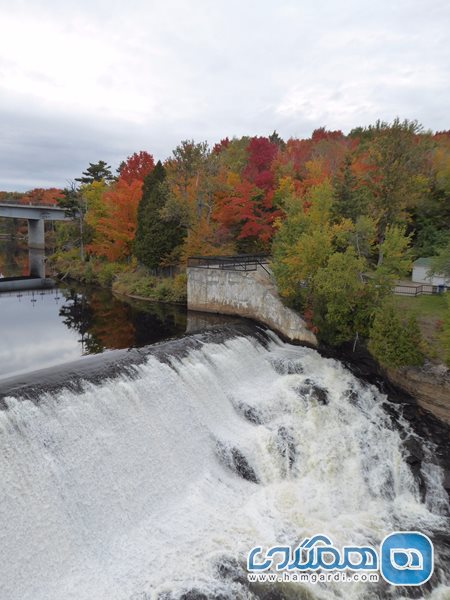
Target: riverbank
(124, 279)
(427, 387)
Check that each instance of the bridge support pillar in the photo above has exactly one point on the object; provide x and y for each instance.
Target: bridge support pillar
(36, 247)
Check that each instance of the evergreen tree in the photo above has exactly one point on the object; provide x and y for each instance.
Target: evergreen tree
(395, 343)
(156, 238)
(349, 201)
(274, 138)
(100, 171)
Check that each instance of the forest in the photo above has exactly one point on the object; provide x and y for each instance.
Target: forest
(342, 216)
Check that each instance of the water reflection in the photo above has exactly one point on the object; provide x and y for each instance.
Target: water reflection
(44, 328)
(13, 256)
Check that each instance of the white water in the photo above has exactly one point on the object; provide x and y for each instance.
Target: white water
(122, 493)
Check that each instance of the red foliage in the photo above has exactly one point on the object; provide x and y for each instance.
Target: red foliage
(322, 134)
(136, 167)
(247, 212)
(261, 153)
(222, 145)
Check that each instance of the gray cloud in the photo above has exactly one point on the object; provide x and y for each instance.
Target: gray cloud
(85, 80)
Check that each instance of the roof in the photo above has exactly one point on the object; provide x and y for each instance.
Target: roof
(422, 262)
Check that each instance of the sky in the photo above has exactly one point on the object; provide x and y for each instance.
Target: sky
(87, 80)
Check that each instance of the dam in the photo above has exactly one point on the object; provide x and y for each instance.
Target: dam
(150, 475)
(243, 285)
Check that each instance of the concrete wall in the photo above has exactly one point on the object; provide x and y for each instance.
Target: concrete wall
(250, 294)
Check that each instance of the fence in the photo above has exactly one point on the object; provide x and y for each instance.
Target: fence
(239, 262)
(418, 290)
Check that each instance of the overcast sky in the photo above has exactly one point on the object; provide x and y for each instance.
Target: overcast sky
(96, 79)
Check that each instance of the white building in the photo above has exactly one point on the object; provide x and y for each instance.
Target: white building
(420, 273)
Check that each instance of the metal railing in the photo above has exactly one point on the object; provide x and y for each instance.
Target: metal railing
(238, 262)
(17, 202)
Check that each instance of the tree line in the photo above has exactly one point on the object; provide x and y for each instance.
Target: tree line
(343, 216)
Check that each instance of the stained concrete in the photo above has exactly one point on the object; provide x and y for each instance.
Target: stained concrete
(251, 294)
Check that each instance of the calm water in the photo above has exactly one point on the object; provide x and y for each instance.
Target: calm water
(13, 256)
(41, 329)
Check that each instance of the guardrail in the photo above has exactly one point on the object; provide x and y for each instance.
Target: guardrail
(39, 205)
(238, 262)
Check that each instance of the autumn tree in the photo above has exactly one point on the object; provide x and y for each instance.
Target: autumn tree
(136, 167)
(395, 178)
(41, 196)
(116, 227)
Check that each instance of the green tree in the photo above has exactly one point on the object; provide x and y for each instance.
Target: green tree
(446, 331)
(74, 203)
(156, 237)
(440, 264)
(99, 171)
(396, 175)
(303, 242)
(393, 342)
(342, 299)
(395, 253)
(350, 198)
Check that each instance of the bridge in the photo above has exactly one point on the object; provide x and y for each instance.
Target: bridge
(36, 217)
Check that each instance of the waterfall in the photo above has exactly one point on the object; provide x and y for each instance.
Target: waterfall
(155, 483)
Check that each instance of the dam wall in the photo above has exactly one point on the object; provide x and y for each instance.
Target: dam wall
(252, 294)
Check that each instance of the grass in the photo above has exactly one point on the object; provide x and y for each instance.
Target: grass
(160, 289)
(430, 312)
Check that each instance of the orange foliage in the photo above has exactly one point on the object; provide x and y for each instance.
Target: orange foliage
(40, 196)
(116, 230)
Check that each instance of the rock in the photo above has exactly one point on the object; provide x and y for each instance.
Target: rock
(352, 397)
(429, 385)
(242, 466)
(287, 367)
(320, 394)
(250, 413)
(414, 448)
(286, 445)
(313, 391)
(446, 482)
(230, 569)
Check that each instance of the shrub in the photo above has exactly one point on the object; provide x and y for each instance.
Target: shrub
(107, 272)
(446, 330)
(395, 343)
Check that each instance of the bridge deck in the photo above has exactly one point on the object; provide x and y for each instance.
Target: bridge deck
(33, 212)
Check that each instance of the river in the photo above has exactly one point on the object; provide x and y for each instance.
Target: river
(43, 328)
(148, 471)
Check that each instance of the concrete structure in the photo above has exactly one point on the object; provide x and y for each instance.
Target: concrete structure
(35, 215)
(420, 273)
(249, 293)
